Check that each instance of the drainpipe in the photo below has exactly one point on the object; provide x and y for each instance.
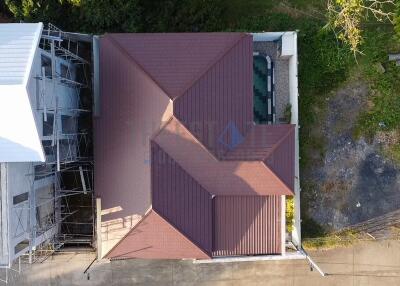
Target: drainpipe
(312, 263)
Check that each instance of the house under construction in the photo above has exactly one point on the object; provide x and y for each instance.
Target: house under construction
(45, 153)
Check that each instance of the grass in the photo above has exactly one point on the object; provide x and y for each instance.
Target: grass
(393, 153)
(383, 114)
(341, 239)
(384, 86)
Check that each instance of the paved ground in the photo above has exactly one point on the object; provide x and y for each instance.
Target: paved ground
(366, 264)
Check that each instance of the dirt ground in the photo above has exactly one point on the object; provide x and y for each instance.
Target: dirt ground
(355, 182)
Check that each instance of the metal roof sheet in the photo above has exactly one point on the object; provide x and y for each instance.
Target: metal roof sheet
(154, 238)
(246, 225)
(19, 138)
(175, 60)
(208, 90)
(217, 177)
(18, 43)
(181, 200)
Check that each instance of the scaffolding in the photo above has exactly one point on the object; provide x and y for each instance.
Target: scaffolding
(61, 204)
(70, 159)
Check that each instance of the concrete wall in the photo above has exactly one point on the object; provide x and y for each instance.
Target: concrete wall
(291, 41)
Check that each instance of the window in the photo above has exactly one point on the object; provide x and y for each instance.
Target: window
(46, 64)
(48, 125)
(68, 124)
(48, 149)
(20, 198)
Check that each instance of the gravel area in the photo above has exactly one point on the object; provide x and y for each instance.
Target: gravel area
(281, 69)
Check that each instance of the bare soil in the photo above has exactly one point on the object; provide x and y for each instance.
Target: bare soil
(355, 182)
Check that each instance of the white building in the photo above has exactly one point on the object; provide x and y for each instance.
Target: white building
(39, 109)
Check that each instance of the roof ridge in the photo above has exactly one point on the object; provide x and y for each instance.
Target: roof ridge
(211, 65)
(129, 231)
(292, 129)
(149, 211)
(217, 161)
(276, 145)
(162, 127)
(184, 235)
(276, 176)
(132, 59)
(184, 170)
(194, 137)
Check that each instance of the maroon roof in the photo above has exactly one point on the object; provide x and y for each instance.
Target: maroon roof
(175, 61)
(246, 225)
(220, 98)
(132, 108)
(209, 162)
(245, 178)
(260, 142)
(154, 237)
(177, 197)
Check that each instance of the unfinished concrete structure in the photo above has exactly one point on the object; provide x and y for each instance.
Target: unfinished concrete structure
(41, 78)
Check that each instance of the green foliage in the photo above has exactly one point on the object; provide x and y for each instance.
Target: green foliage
(396, 20)
(56, 11)
(324, 64)
(100, 16)
(180, 15)
(289, 213)
(384, 87)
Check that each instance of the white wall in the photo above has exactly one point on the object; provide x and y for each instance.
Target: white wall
(290, 46)
(19, 181)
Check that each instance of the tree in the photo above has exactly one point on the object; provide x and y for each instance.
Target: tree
(99, 16)
(346, 18)
(397, 20)
(56, 11)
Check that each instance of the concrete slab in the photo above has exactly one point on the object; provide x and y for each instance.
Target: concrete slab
(367, 263)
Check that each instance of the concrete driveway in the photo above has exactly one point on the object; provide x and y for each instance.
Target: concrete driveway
(367, 263)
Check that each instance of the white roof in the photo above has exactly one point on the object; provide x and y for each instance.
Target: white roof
(19, 138)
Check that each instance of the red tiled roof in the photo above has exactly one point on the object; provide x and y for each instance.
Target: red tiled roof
(200, 172)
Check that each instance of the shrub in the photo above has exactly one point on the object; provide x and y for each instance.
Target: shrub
(289, 213)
